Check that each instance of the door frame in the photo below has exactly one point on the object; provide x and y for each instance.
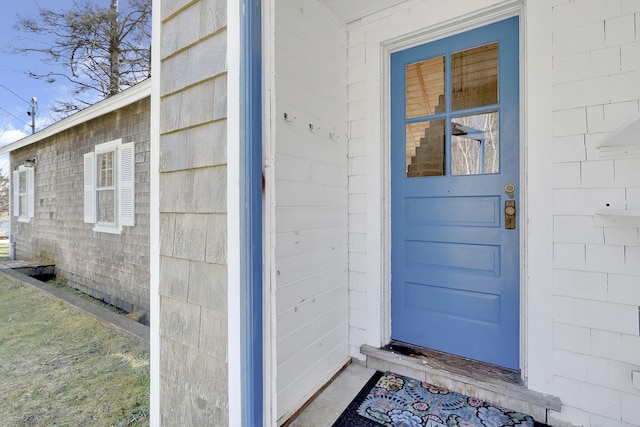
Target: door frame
(251, 176)
(446, 29)
(505, 331)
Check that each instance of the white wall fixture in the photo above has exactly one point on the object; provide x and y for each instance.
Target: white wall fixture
(636, 379)
(622, 143)
(29, 163)
(625, 141)
(617, 218)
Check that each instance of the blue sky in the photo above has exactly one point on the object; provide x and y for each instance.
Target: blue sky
(17, 88)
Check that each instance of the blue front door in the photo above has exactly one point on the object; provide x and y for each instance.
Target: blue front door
(454, 195)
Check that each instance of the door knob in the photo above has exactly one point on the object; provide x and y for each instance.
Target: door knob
(509, 189)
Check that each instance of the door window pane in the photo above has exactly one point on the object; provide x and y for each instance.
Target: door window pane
(474, 144)
(425, 153)
(474, 77)
(425, 87)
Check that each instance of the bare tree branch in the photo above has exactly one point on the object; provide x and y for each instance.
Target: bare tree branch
(4, 191)
(103, 50)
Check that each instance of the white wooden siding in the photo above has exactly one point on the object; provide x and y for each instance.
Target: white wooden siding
(310, 198)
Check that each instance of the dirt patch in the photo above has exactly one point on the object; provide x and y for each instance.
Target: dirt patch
(61, 367)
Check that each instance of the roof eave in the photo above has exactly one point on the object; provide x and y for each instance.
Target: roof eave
(113, 103)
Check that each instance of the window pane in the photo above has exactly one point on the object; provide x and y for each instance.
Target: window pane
(425, 87)
(425, 148)
(23, 182)
(23, 206)
(105, 169)
(22, 194)
(474, 77)
(106, 206)
(474, 144)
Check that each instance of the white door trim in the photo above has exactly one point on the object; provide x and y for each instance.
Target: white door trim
(536, 196)
(535, 256)
(448, 28)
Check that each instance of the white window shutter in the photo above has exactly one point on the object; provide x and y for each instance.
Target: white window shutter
(30, 192)
(16, 193)
(89, 188)
(127, 184)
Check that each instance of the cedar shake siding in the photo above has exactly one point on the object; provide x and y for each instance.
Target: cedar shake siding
(111, 267)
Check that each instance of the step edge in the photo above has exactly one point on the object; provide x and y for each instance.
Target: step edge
(520, 392)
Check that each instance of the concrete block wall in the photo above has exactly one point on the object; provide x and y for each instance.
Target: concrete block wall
(596, 75)
(112, 267)
(193, 214)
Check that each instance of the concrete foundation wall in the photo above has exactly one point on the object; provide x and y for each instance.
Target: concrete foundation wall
(112, 267)
(193, 207)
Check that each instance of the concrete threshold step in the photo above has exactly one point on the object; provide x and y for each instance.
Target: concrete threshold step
(493, 384)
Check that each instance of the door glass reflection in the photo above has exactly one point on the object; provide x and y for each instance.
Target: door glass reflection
(425, 87)
(425, 153)
(474, 77)
(474, 144)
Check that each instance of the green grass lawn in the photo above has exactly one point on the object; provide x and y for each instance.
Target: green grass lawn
(4, 250)
(59, 367)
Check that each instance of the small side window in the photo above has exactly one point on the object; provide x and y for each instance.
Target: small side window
(106, 189)
(23, 193)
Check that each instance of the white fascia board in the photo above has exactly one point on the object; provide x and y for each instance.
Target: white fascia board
(113, 103)
(349, 11)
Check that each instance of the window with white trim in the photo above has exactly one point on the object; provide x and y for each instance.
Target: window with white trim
(109, 186)
(23, 189)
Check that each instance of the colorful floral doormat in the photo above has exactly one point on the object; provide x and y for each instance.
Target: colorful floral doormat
(394, 400)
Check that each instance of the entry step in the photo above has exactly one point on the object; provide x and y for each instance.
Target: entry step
(499, 386)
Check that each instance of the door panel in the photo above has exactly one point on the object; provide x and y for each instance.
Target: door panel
(454, 148)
